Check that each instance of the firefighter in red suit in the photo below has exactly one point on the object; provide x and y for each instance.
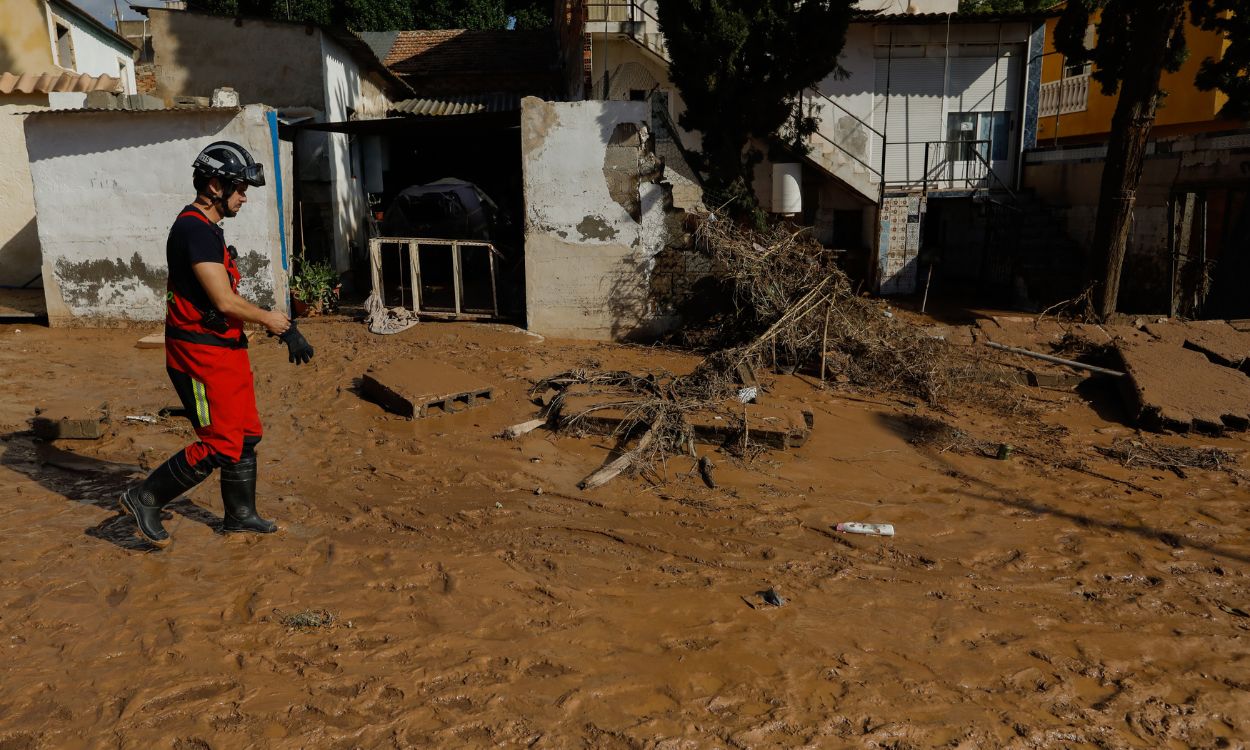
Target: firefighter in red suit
(206, 352)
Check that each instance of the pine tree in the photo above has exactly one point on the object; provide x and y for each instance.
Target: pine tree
(740, 65)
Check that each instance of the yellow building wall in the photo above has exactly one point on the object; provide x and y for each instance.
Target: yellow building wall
(25, 46)
(1184, 110)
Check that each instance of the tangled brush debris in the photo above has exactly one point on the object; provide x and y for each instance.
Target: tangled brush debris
(1138, 452)
(775, 300)
(656, 408)
(790, 306)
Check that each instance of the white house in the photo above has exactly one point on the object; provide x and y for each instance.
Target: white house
(53, 54)
(932, 118)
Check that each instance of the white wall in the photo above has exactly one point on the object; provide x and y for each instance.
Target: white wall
(588, 261)
(119, 180)
(343, 95)
(95, 53)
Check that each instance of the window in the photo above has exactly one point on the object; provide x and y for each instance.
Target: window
(64, 45)
(987, 132)
(121, 74)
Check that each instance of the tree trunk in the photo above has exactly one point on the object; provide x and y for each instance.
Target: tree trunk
(1126, 153)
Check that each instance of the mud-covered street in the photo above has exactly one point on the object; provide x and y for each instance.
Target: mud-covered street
(480, 599)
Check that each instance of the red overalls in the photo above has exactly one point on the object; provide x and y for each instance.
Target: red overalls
(211, 372)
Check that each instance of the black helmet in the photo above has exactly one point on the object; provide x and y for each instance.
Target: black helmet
(231, 163)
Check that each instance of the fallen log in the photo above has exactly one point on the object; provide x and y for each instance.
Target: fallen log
(610, 472)
(524, 428)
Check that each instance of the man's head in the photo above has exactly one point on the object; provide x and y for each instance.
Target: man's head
(223, 172)
(227, 195)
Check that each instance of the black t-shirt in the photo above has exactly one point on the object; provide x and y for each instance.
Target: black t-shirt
(192, 240)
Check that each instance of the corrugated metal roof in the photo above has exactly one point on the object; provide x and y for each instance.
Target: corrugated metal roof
(447, 106)
(44, 83)
(121, 111)
(966, 17)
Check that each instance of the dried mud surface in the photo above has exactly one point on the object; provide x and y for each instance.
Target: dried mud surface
(1017, 607)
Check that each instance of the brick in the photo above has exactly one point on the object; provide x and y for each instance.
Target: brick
(68, 429)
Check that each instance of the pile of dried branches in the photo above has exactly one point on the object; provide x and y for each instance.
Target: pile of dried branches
(1138, 452)
(792, 307)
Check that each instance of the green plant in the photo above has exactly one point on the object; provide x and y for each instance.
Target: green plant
(315, 283)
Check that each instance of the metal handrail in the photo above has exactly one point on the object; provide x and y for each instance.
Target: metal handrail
(635, 14)
(842, 148)
(989, 170)
(635, 9)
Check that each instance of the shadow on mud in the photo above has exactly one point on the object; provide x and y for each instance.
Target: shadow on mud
(908, 430)
(90, 481)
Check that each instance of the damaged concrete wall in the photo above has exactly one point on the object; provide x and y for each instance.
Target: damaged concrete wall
(596, 218)
(1068, 180)
(278, 64)
(107, 187)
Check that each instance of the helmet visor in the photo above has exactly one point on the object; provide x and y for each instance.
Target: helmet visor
(254, 175)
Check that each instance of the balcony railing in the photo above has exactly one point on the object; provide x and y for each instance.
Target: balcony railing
(621, 11)
(1064, 97)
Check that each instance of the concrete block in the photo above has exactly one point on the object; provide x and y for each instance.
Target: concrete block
(155, 341)
(69, 428)
(411, 388)
(1173, 388)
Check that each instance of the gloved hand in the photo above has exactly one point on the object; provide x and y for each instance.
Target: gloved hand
(297, 346)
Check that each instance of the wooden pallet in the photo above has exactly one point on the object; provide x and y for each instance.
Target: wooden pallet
(416, 389)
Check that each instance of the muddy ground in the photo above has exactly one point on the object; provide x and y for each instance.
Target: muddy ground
(1019, 605)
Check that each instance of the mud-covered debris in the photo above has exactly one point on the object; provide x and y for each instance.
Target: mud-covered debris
(308, 619)
(1174, 458)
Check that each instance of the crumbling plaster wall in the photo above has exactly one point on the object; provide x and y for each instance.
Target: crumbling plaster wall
(108, 185)
(596, 218)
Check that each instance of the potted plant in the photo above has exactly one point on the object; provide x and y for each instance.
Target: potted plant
(315, 289)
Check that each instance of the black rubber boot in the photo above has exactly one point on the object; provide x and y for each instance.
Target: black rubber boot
(145, 500)
(238, 494)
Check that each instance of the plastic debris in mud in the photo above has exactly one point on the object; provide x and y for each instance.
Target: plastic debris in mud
(772, 598)
(870, 529)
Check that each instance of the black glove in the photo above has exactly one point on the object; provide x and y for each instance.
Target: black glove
(298, 347)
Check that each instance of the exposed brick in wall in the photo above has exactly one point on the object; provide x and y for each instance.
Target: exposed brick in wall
(571, 16)
(145, 78)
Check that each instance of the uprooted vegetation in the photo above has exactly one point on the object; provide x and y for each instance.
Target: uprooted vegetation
(786, 304)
